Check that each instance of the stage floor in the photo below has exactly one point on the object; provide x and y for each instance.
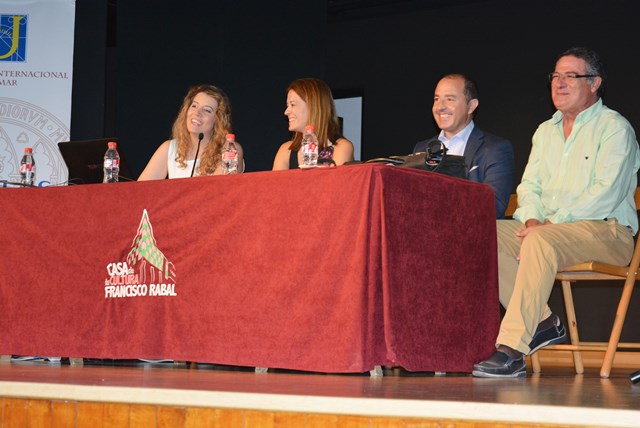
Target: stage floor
(555, 397)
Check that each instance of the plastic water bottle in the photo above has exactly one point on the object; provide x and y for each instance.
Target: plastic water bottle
(309, 147)
(230, 155)
(28, 168)
(111, 165)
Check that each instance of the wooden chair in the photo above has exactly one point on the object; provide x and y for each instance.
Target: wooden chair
(511, 206)
(595, 271)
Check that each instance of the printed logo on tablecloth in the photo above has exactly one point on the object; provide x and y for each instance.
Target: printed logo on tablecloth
(146, 271)
(13, 38)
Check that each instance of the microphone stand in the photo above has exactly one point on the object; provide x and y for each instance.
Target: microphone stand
(200, 137)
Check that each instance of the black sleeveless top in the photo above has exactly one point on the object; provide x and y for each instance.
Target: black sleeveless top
(293, 160)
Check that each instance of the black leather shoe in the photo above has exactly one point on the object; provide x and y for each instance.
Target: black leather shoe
(500, 365)
(550, 336)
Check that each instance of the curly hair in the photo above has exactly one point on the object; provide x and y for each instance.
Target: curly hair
(322, 111)
(212, 154)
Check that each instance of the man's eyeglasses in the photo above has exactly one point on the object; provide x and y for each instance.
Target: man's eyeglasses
(569, 77)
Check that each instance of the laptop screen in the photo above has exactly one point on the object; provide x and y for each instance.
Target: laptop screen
(84, 160)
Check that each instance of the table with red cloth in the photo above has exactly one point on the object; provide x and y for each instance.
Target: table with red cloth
(331, 270)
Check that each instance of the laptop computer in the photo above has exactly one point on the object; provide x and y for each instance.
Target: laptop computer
(84, 160)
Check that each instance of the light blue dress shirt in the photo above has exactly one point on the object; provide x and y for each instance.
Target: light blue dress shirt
(456, 144)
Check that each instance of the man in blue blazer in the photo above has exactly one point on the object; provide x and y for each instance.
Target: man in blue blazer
(489, 158)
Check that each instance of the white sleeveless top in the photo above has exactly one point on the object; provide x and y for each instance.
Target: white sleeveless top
(175, 171)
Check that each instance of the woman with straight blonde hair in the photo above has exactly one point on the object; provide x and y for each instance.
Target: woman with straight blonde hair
(309, 102)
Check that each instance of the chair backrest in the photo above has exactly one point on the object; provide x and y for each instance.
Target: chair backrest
(511, 206)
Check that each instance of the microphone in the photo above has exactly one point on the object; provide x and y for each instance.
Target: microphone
(436, 147)
(200, 137)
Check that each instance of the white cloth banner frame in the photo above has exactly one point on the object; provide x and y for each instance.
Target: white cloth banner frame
(36, 70)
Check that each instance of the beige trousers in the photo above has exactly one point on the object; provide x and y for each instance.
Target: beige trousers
(525, 285)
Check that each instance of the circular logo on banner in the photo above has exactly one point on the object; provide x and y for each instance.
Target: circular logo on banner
(23, 124)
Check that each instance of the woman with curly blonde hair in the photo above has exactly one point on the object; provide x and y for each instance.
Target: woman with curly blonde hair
(198, 136)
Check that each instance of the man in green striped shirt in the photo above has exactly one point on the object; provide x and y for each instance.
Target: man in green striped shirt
(575, 203)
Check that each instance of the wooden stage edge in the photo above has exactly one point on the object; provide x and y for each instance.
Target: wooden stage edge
(83, 396)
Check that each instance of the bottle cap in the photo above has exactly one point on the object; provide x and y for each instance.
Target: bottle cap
(310, 128)
(231, 137)
(28, 150)
(112, 144)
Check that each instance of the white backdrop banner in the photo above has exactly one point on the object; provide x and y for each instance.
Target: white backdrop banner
(36, 65)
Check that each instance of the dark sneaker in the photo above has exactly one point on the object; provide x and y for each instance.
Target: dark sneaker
(550, 336)
(500, 365)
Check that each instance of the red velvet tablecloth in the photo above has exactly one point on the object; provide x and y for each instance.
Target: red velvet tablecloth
(332, 270)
